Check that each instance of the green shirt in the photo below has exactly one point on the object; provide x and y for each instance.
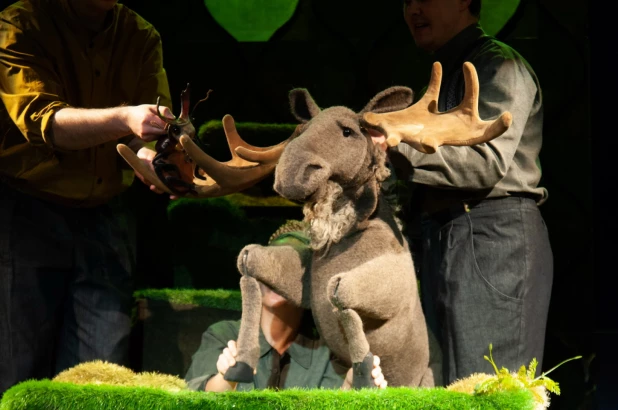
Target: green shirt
(307, 363)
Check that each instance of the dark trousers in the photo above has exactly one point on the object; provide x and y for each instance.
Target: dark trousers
(486, 277)
(65, 287)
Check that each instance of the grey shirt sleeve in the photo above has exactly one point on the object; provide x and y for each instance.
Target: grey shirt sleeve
(505, 85)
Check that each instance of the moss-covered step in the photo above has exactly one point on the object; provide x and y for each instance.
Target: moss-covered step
(51, 395)
(170, 323)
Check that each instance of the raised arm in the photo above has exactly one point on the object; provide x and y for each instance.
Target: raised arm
(31, 92)
(81, 128)
(505, 85)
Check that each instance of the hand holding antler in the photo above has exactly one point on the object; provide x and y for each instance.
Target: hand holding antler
(425, 129)
(144, 122)
(248, 165)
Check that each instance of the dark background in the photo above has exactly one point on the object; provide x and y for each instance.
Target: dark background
(346, 51)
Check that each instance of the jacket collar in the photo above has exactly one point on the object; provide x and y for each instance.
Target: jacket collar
(455, 50)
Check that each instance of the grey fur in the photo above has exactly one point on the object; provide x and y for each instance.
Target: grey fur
(359, 280)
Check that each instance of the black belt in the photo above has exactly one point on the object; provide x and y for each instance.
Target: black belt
(459, 208)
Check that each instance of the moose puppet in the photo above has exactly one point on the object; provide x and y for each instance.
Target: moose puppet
(357, 277)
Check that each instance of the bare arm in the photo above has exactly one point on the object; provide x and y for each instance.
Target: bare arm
(226, 359)
(213, 357)
(218, 384)
(31, 91)
(77, 128)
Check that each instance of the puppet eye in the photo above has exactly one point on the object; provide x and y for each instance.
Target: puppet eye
(347, 132)
(175, 130)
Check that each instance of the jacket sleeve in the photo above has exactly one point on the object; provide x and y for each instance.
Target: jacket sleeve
(153, 82)
(153, 78)
(30, 89)
(505, 85)
(204, 361)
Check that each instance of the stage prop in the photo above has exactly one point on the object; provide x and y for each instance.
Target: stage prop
(51, 395)
(359, 278)
(101, 385)
(356, 274)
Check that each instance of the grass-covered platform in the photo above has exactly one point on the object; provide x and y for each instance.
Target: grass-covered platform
(51, 395)
(212, 298)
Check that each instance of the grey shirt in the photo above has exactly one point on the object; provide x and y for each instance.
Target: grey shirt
(509, 164)
(308, 363)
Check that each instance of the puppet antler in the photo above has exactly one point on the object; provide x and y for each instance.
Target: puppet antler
(425, 129)
(185, 100)
(248, 166)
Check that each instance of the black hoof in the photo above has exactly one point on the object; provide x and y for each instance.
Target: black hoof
(362, 373)
(241, 372)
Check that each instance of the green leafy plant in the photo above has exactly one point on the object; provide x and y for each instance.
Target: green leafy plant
(523, 379)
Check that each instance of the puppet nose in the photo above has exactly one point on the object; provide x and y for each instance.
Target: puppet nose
(299, 177)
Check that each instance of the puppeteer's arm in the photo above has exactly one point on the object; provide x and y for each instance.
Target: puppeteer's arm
(203, 368)
(505, 85)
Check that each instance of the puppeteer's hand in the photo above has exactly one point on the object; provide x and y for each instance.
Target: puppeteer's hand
(376, 373)
(147, 155)
(144, 121)
(227, 358)
(378, 138)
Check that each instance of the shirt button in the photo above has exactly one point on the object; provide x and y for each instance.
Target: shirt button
(99, 180)
(97, 72)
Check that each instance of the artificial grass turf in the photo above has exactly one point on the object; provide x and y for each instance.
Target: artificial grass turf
(45, 394)
(213, 298)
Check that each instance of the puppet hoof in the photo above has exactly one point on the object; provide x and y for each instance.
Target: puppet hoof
(362, 373)
(241, 372)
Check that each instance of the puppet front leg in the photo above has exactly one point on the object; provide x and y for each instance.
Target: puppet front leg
(362, 359)
(365, 290)
(284, 269)
(248, 343)
(360, 354)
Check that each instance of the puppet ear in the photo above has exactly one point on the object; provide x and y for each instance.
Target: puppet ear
(302, 105)
(392, 99)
